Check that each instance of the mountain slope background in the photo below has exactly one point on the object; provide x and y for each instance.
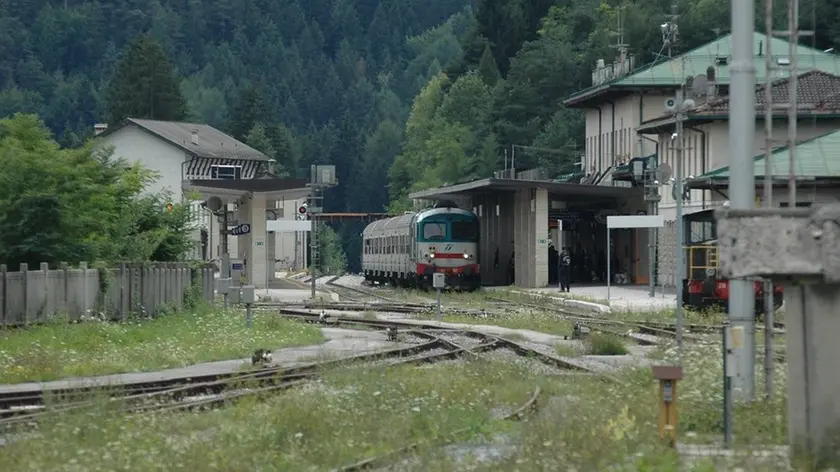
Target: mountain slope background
(398, 94)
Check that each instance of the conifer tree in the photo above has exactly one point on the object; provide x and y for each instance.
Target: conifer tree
(145, 85)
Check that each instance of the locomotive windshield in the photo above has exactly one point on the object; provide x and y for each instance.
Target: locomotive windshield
(463, 231)
(434, 231)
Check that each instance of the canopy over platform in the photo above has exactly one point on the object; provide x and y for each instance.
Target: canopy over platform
(570, 191)
(270, 188)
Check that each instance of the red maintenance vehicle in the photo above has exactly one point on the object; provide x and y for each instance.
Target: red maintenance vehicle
(704, 288)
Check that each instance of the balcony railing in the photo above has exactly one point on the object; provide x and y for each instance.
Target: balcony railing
(199, 168)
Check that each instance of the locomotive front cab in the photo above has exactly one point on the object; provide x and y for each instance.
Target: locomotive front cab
(447, 242)
(703, 287)
(701, 282)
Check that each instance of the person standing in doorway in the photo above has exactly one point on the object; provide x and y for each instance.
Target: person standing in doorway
(565, 270)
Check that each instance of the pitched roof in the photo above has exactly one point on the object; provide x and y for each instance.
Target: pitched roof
(212, 143)
(672, 72)
(818, 93)
(815, 158)
(814, 89)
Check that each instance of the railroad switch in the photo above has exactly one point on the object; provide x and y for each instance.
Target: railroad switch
(668, 377)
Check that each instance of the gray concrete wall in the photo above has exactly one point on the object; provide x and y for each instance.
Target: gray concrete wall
(33, 296)
(531, 238)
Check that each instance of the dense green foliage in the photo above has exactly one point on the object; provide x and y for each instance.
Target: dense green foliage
(74, 205)
(398, 94)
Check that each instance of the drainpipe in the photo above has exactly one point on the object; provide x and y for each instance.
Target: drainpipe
(641, 120)
(600, 141)
(612, 135)
(702, 156)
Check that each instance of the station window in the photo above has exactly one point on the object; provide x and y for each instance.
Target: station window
(433, 231)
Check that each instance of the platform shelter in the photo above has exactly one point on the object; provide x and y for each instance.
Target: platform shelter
(252, 198)
(519, 221)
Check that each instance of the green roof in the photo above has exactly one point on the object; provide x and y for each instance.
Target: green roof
(671, 72)
(817, 157)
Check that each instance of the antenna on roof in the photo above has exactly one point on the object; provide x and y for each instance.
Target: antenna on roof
(670, 30)
(624, 63)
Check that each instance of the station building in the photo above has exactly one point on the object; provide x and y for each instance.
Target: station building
(630, 124)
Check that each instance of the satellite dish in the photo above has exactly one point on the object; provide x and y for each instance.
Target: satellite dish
(698, 87)
(670, 104)
(214, 204)
(665, 172)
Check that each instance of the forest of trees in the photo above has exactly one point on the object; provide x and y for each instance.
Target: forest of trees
(398, 94)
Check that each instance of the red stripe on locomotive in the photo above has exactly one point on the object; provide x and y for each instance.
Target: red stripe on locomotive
(421, 269)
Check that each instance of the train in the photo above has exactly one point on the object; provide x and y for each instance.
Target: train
(406, 250)
(703, 287)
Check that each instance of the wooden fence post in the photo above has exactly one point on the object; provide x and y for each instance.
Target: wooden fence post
(83, 266)
(45, 301)
(4, 291)
(65, 274)
(24, 271)
(123, 299)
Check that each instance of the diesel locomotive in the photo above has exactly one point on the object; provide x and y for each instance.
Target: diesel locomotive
(407, 250)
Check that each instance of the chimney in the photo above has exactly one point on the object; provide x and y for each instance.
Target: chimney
(99, 128)
(195, 137)
(711, 86)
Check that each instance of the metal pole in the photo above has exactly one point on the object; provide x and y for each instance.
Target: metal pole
(793, 23)
(727, 391)
(679, 222)
(652, 256)
(742, 180)
(438, 305)
(313, 235)
(559, 246)
(609, 262)
(768, 195)
(249, 315)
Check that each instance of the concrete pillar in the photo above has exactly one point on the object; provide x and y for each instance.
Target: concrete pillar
(812, 350)
(270, 254)
(531, 237)
(252, 246)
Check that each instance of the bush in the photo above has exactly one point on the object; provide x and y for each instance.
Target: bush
(599, 344)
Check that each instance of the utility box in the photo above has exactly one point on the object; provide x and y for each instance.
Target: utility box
(248, 295)
(234, 295)
(439, 280)
(222, 285)
(237, 270)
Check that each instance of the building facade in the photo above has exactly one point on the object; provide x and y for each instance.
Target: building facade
(183, 152)
(629, 114)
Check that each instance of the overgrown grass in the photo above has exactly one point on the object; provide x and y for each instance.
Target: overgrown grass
(598, 344)
(348, 416)
(584, 424)
(595, 425)
(58, 349)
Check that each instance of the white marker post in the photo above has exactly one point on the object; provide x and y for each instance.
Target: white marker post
(628, 222)
(439, 283)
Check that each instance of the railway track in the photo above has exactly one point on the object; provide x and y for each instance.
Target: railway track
(209, 391)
